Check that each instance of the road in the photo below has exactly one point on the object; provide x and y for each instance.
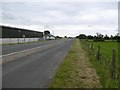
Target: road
(7, 49)
(37, 70)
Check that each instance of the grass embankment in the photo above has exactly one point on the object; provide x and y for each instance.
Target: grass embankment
(76, 71)
(102, 69)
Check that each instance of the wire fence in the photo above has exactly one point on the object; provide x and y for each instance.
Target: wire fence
(109, 63)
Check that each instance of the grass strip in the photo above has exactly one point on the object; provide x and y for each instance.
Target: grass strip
(76, 71)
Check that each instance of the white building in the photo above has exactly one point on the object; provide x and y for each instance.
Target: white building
(49, 37)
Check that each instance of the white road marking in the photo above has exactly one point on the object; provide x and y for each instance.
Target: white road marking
(27, 50)
(23, 51)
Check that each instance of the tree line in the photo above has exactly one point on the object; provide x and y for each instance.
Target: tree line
(100, 37)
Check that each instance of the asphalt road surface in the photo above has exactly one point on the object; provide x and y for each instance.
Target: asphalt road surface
(7, 49)
(37, 70)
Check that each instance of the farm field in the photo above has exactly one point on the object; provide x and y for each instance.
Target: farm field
(104, 65)
(106, 48)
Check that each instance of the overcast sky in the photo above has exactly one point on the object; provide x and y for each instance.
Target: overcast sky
(68, 18)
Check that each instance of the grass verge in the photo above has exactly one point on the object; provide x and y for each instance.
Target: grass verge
(76, 71)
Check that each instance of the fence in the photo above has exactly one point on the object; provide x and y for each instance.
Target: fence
(18, 40)
(111, 65)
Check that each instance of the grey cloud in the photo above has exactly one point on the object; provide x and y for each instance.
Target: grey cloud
(33, 13)
(7, 17)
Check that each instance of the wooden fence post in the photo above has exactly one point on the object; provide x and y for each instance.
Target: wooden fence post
(113, 64)
(91, 46)
(98, 53)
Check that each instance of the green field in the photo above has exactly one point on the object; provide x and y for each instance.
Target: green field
(103, 69)
(107, 47)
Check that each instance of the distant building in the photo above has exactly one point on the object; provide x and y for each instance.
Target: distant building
(49, 37)
(13, 32)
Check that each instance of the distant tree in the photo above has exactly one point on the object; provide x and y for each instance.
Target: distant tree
(65, 36)
(77, 36)
(106, 37)
(58, 37)
(89, 37)
(46, 32)
(117, 38)
(98, 37)
(111, 37)
(94, 37)
(82, 36)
